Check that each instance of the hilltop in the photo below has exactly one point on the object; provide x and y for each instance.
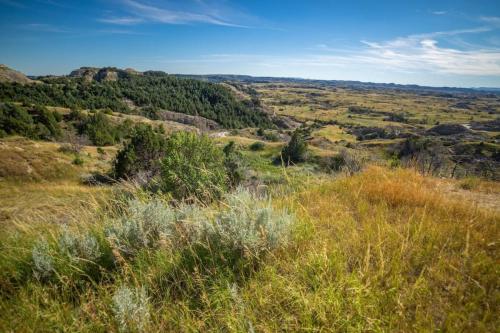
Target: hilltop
(103, 74)
(12, 76)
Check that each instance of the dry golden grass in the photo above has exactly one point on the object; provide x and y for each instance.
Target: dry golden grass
(384, 251)
(46, 201)
(23, 160)
(40, 183)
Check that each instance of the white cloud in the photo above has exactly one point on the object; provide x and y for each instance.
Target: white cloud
(121, 20)
(495, 20)
(440, 12)
(169, 16)
(424, 53)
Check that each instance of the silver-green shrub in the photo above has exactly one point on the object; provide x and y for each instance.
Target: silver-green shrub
(145, 224)
(131, 309)
(42, 259)
(77, 246)
(246, 223)
(251, 224)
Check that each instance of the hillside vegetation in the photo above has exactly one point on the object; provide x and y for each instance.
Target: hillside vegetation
(154, 91)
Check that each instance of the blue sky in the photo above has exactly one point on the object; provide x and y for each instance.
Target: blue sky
(438, 43)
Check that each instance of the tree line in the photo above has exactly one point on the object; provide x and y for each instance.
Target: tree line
(157, 90)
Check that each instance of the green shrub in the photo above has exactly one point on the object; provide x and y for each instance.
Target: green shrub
(296, 149)
(193, 168)
(141, 154)
(251, 226)
(233, 161)
(78, 160)
(142, 227)
(15, 120)
(47, 125)
(70, 256)
(257, 146)
(99, 130)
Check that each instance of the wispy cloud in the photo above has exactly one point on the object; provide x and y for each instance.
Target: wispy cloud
(493, 20)
(198, 12)
(424, 54)
(121, 20)
(118, 32)
(439, 12)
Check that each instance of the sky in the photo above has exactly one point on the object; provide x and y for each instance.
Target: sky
(436, 43)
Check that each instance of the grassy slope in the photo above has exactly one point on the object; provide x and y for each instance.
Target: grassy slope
(38, 182)
(385, 250)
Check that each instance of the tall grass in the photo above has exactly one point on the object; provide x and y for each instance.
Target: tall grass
(383, 250)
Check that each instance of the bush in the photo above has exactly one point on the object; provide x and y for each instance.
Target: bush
(249, 226)
(78, 247)
(131, 309)
(296, 149)
(47, 124)
(99, 130)
(71, 256)
(142, 228)
(193, 168)
(257, 146)
(78, 160)
(41, 256)
(68, 148)
(428, 156)
(350, 162)
(141, 155)
(233, 162)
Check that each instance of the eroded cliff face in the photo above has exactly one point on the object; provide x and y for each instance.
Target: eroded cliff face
(103, 74)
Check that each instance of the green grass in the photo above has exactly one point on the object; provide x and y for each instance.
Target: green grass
(334, 133)
(384, 250)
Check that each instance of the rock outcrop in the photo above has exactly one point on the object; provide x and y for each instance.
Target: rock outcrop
(103, 74)
(199, 122)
